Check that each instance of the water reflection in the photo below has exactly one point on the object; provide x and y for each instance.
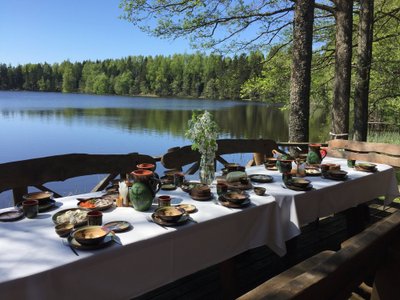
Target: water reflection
(163, 115)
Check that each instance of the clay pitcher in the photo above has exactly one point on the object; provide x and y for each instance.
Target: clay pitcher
(143, 190)
(315, 154)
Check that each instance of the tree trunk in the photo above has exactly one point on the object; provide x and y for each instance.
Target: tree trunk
(301, 71)
(365, 29)
(341, 93)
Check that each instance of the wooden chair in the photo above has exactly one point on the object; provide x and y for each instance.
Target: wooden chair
(330, 275)
(373, 152)
(179, 157)
(36, 172)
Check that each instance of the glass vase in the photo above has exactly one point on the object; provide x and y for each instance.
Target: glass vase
(207, 170)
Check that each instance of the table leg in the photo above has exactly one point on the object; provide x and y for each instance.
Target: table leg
(356, 219)
(228, 279)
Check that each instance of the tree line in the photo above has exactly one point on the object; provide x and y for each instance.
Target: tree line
(345, 30)
(185, 75)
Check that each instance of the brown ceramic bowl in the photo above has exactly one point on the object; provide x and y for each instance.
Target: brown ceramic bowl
(337, 173)
(327, 167)
(39, 196)
(64, 229)
(235, 197)
(91, 235)
(366, 166)
(146, 166)
(260, 191)
(200, 190)
(169, 213)
(300, 182)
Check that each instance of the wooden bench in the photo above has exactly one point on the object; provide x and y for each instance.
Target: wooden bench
(373, 152)
(334, 275)
(179, 157)
(17, 176)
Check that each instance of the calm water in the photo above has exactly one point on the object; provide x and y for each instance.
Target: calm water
(37, 124)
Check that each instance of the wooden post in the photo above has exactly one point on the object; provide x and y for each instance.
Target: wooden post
(18, 193)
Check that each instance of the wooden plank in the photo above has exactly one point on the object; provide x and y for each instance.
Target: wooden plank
(372, 152)
(18, 192)
(104, 182)
(356, 146)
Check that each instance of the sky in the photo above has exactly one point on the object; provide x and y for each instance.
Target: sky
(37, 31)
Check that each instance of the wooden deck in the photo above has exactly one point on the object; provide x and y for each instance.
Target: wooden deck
(255, 266)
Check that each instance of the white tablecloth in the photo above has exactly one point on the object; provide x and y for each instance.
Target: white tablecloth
(35, 264)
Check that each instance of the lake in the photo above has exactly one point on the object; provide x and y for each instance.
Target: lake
(35, 124)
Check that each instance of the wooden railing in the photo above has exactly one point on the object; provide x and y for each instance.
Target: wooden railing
(334, 275)
(17, 176)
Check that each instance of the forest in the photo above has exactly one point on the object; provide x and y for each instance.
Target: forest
(260, 75)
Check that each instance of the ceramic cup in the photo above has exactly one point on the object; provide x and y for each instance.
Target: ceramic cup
(179, 178)
(244, 180)
(164, 200)
(30, 208)
(351, 163)
(95, 217)
(222, 188)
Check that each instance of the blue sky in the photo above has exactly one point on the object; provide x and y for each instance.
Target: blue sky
(51, 31)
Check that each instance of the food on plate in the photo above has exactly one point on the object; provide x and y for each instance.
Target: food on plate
(72, 216)
(94, 203)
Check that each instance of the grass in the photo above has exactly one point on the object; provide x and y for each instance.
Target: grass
(390, 137)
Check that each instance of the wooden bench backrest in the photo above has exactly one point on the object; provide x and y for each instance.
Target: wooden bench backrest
(36, 172)
(337, 275)
(183, 156)
(373, 152)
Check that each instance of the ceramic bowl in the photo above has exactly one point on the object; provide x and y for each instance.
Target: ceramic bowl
(235, 197)
(90, 235)
(146, 166)
(367, 166)
(260, 191)
(337, 173)
(300, 182)
(328, 167)
(169, 213)
(200, 190)
(64, 229)
(39, 196)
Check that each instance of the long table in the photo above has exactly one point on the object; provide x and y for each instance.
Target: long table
(36, 264)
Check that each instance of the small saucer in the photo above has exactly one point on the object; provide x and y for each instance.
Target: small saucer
(361, 169)
(205, 198)
(168, 187)
(185, 217)
(261, 178)
(118, 226)
(106, 242)
(11, 215)
(229, 204)
(274, 168)
(298, 189)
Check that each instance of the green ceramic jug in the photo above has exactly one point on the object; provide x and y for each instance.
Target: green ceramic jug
(315, 154)
(141, 196)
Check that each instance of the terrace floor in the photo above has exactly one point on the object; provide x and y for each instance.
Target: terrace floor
(255, 266)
